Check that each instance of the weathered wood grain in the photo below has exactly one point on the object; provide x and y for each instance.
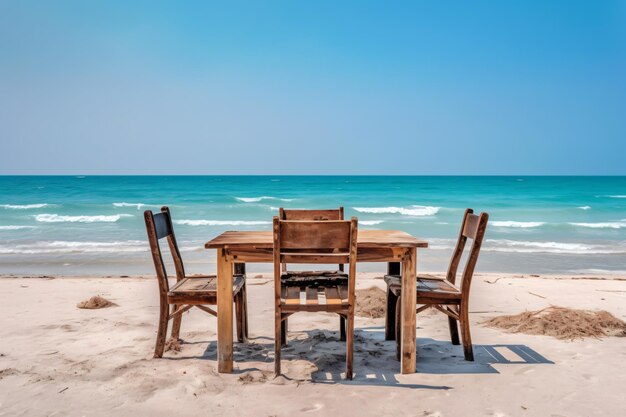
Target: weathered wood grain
(188, 292)
(441, 294)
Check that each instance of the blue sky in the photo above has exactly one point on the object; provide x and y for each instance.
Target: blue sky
(337, 87)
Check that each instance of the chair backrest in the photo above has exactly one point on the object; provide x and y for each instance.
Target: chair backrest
(317, 215)
(331, 214)
(159, 226)
(315, 242)
(473, 228)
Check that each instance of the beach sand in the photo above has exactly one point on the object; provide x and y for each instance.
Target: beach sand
(57, 359)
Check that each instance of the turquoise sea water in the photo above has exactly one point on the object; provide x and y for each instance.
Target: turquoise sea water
(94, 225)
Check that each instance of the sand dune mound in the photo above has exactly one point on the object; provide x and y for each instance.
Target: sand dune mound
(95, 302)
(562, 323)
(371, 303)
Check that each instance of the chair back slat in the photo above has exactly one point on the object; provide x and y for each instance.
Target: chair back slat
(318, 215)
(159, 226)
(317, 236)
(470, 264)
(473, 228)
(162, 225)
(315, 258)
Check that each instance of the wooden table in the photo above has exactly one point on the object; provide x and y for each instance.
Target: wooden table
(372, 246)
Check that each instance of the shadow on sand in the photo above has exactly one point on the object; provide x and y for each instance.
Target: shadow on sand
(374, 358)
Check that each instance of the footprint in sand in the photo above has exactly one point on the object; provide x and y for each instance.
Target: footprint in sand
(315, 407)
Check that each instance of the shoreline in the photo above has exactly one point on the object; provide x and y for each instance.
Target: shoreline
(605, 276)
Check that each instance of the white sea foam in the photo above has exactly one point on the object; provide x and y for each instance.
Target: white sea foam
(124, 204)
(441, 244)
(521, 246)
(12, 227)
(55, 218)
(412, 211)
(602, 225)
(24, 206)
(585, 207)
(257, 199)
(599, 271)
(616, 196)
(221, 222)
(370, 222)
(61, 247)
(522, 225)
(516, 246)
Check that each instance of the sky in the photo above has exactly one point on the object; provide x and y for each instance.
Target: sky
(313, 87)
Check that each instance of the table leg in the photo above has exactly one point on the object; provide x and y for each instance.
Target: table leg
(393, 268)
(408, 316)
(224, 313)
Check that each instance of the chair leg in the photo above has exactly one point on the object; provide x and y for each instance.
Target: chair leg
(277, 342)
(390, 315)
(240, 269)
(239, 316)
(283, 332)
(162, 331)
(454, 331)
(398, 327)
(245, 310)
(349, 344)
(176, 322)
(342, 328)
(465, 332)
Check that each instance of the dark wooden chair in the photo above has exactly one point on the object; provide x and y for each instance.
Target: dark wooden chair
(314, 242)
(189, 291)
(296, 277)
(442, 294)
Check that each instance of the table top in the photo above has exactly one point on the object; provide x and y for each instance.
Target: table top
(365, 239)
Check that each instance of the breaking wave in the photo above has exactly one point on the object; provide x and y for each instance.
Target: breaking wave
(221, 222)
(74, 247)
(257, 199)
(602, 225)
(522, 225)
(412, 211)
(55, 218)
(24, 206)
(521, 246)
(504, 245)
(123, 204)
(370, 222)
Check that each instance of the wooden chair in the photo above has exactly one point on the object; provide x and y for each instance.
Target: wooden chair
(314, 242)
(295, 277)
(442, 294)
(189, 291)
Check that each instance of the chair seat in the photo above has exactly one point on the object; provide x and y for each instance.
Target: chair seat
(313, 278)
(428, 287)
(200, 289)
(330, 297)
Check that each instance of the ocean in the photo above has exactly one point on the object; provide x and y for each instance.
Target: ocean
(93, 225)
